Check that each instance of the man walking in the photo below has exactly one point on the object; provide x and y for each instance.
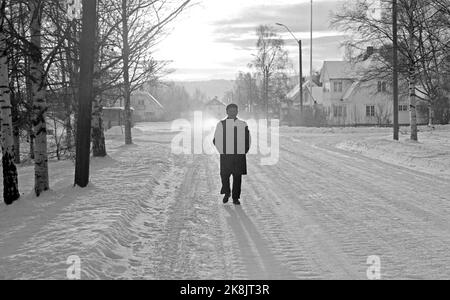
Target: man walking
(232, 140)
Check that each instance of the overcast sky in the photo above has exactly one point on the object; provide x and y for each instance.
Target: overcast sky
(216, 38)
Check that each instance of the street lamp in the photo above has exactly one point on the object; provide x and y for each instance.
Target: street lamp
(300, 64)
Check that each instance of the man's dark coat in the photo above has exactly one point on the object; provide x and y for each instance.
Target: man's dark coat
(235, 161)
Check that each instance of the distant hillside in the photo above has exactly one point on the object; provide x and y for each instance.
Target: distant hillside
(210, 88)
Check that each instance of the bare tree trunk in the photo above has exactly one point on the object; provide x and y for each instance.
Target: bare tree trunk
(413, 104)
(15, 127)
(39, 102)
(67, 105)
(430, 114)
(266, 92)
(412, 90)
(29, 100)
(10, 181)
(86, 94)
(31, 142)
(68, 126)
(98, 135)
(16, 137)
(29, 95)
(126, 74)
(72, 89)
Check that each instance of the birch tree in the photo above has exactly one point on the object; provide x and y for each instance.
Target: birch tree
(10, 181)
(39, 99)
(270, 59)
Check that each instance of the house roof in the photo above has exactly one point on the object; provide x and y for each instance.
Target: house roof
(294, 92)
(149, 96)
(337, 70)
(116, 108)
(215, 101)
(351, 90)
(317, 92)
(350, 70)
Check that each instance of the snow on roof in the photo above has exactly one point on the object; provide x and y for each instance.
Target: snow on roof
(338, 70)
(116, 108)
(350, 90)
(215, 101)
(148, 95)
(294, 92)
(156, 101)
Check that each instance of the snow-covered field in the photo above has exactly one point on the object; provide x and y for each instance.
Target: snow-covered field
(336, 197)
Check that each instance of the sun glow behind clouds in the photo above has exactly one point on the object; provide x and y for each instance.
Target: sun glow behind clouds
(195, 46)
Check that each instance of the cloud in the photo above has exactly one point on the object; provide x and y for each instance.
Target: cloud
(295, 16)
(323, 41)
(224, 42)
(239, 31)
(192, 74)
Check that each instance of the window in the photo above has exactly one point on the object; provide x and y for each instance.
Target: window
(337, 86)
(403, 108)
(370, 111)
(382, 87)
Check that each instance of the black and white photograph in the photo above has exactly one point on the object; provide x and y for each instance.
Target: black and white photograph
(225, 147)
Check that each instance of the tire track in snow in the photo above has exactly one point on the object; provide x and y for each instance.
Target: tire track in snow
(379, 223)
(195, 246)
(264, 251)
(313, 252)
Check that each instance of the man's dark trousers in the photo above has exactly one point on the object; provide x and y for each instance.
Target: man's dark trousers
(237, 183)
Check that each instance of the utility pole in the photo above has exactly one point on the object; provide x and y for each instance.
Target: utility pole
(300, 79)
(311, 55)
(86, 93)
(310, 58)
(395, 67)
(266, 91)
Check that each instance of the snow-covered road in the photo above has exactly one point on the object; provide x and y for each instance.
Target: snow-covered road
(317, 214)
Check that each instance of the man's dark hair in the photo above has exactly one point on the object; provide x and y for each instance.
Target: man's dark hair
(232, 106)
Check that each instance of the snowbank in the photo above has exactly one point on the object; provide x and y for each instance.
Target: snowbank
(431, 154)
(333, 130)
(120, 131)
(102, 224)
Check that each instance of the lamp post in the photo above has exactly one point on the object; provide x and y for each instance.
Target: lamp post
(311, 55)
(299, 42)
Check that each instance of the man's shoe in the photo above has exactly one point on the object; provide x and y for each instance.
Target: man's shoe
(236, 202)
(226, 198)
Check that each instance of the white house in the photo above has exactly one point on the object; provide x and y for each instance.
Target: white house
(312, 94)
(145, 107)
(350, 99)
(215, 108)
